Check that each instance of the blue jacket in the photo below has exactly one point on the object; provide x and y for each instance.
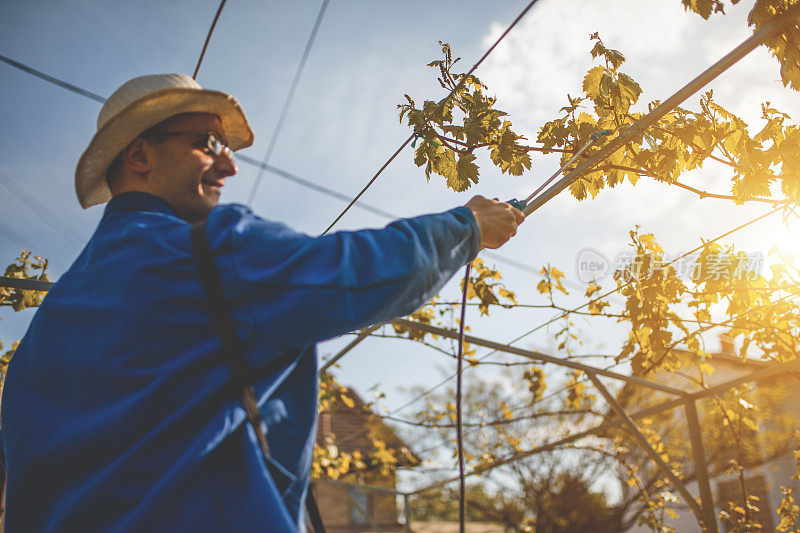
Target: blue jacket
(116, 411)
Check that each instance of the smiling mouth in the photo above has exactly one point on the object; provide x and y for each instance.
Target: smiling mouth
(214, 183)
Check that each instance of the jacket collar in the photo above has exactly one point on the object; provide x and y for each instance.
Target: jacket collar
(139, 201)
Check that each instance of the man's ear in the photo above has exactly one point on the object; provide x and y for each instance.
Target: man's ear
(139, 156)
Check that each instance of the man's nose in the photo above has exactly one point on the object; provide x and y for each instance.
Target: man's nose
(225, 164)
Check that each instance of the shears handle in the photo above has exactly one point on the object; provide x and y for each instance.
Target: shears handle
(518, 204)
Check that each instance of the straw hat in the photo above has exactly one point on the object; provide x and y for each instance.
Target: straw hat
(139, 104)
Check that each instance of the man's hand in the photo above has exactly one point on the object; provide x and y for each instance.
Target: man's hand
(497, 221)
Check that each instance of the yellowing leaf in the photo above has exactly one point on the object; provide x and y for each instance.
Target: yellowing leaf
(543, 287)
(508, 294)
(591, 289)
(591, 82)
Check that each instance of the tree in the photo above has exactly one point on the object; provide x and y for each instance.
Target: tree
(483, 506)
(554, 490)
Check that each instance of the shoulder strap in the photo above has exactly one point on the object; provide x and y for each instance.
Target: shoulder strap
(232, 349)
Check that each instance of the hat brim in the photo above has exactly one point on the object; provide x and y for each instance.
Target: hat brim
(117, 133)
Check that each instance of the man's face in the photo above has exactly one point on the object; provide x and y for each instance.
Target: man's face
(186, 173)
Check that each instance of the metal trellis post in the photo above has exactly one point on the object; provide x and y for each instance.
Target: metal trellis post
(763, 373)
(536, 356)
(363, 334)
(700, 465)
(654, 455)
(25, 284)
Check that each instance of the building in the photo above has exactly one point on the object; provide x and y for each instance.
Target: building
(346, 508)
(767, 444)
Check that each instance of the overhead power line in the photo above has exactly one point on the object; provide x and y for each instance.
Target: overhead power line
(23, 244)
(15, 238)
(249, 160)
(45, 214)
(63, 84)
(295, 81)
(313, 186)
(208, 38)
(463, 80)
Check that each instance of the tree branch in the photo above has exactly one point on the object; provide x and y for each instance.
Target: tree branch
(702, 194)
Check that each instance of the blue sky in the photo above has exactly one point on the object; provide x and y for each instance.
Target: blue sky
(343, 124)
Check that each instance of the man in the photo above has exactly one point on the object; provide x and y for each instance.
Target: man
(117, 410)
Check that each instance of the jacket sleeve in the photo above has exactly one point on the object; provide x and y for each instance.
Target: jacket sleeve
(290, 290)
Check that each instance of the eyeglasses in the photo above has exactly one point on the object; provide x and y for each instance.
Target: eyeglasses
(212, 143)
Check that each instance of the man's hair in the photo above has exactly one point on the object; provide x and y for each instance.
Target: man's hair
(113, 171)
